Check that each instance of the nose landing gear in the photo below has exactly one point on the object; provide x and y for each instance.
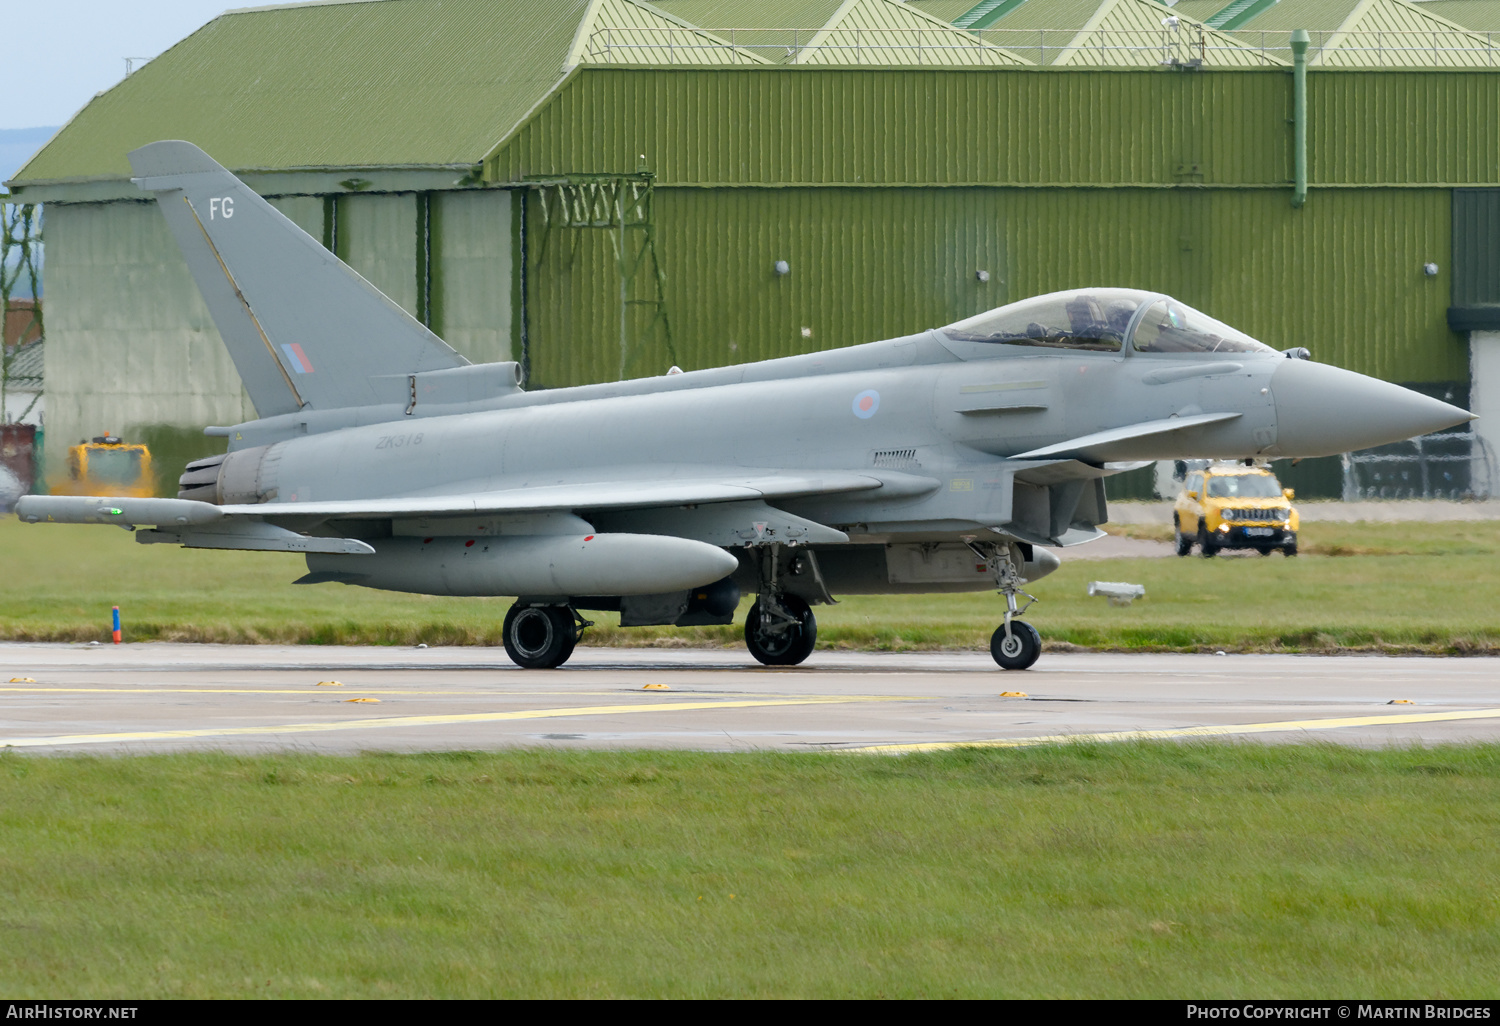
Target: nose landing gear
(1015, 645)
(781, 629)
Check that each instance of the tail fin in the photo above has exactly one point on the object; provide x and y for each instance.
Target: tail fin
(303, 329)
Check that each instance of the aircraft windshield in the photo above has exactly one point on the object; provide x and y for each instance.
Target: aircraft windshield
(1093, 319)
(1243, 486)
(1173, 327)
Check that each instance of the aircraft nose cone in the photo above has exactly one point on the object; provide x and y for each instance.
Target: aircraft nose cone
(1322, 410)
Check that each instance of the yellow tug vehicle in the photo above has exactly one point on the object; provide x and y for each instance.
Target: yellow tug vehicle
(1234, 506)
(108, 465)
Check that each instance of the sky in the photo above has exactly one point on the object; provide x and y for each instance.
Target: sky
(59, 53)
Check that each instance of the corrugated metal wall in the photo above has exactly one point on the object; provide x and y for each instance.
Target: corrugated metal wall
(1476, 247)
(473, 276)
(1343, 276)
(863, 264)
(132, 348)
(948, 127)
(1015, 127)
(378, 237)
(1407, 128)
(129, 341)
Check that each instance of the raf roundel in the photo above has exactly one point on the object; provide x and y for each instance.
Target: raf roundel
(866, 403)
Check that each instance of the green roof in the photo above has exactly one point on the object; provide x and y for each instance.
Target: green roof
(752, 14)
(1238, 13)
(948, 10)
(1199, 10)
(1314, 15)
(1371, 34)
(986, 13)
(1113, 33)
(1480, 15)
(887, 32)
(377, 83)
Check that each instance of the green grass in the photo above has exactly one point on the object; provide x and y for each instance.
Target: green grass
(1131, 870)
(1400, 588)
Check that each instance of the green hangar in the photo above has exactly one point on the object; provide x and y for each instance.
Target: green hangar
(608, 188)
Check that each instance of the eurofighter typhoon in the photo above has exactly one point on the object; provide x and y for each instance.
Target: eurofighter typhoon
(941, 461)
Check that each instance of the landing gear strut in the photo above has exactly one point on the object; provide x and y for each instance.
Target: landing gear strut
(541, 637)
(781, 629)
(1015, 645)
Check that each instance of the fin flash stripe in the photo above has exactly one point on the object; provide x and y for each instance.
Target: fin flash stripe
(298, 359)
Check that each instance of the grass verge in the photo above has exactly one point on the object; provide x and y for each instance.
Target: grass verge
(1391, 588)
(1130, 870)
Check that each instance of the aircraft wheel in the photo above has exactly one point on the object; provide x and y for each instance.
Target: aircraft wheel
(539, 637)
(1020, 650)
(789, 647)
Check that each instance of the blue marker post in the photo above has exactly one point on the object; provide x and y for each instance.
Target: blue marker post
(117, 625)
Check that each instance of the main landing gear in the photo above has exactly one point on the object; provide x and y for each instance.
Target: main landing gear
(1015, 645)
(541, 637)
(781, 629)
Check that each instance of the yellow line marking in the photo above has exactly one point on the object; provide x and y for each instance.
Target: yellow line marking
(421, 721)
(312, 692)
(1213, 731)
(309, 691)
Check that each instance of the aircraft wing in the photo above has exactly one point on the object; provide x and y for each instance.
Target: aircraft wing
(1115, 443)
(582, 496)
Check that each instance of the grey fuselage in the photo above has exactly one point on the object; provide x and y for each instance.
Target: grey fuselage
(943, 417)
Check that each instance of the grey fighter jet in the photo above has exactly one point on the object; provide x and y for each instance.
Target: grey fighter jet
(940, 461)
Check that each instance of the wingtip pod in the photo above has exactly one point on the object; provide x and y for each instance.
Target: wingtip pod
(123, 511)
(169, 158)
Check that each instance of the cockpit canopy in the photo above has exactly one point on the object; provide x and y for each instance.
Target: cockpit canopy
(1107, 321)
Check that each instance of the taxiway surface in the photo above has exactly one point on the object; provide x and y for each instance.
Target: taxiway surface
(162, 697)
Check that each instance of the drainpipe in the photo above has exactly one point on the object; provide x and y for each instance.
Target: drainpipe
(1300, 41)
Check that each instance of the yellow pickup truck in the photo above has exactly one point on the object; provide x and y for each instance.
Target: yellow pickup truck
(1232, 506)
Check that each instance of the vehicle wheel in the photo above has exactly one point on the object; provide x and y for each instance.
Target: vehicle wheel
(1184, 542)
(1290, 548)
(1018, 651)
(789, 647)
(1205, 543)
(539, 637)
(1264, 552)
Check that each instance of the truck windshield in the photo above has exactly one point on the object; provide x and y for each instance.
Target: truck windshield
(115, 466)
(1244, 486)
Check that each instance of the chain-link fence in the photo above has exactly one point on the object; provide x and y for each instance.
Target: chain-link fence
(1448, 465)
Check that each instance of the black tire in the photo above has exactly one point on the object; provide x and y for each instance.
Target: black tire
(539, 637)
(1184, 542)
(1020, 650)
(1290, 548)
(1264, 552)
(789, 647)
(1205, 543)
